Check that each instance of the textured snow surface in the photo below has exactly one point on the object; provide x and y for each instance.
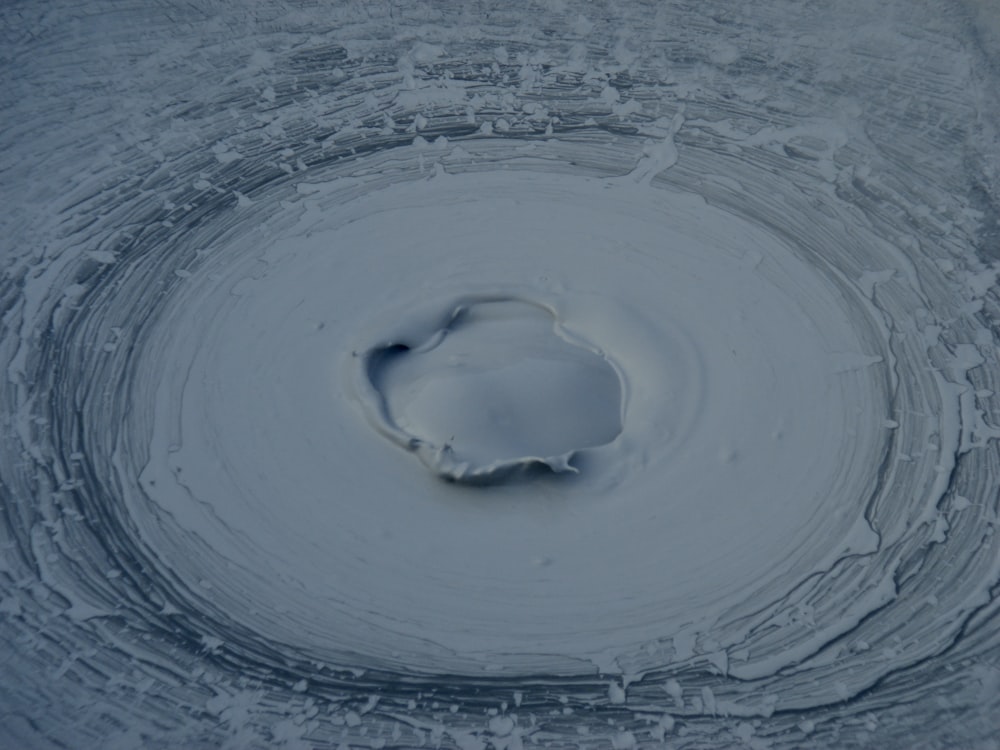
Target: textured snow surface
(492, 375)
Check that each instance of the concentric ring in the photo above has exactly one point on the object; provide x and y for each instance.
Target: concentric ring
(782, 249)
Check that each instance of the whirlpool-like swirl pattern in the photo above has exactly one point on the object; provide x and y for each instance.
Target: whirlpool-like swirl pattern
(567, 375)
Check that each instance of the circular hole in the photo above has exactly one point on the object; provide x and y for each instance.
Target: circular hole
(490, 389)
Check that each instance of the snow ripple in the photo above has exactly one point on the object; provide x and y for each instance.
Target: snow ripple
(699, 306)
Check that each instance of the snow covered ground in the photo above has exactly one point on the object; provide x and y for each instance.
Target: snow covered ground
(489, 375)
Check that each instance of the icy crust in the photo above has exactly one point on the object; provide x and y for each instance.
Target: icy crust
(791, 543)
(490, 391)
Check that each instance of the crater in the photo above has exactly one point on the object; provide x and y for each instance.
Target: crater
(491, 388)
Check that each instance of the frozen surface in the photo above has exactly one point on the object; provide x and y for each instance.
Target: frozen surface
(697, 301)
